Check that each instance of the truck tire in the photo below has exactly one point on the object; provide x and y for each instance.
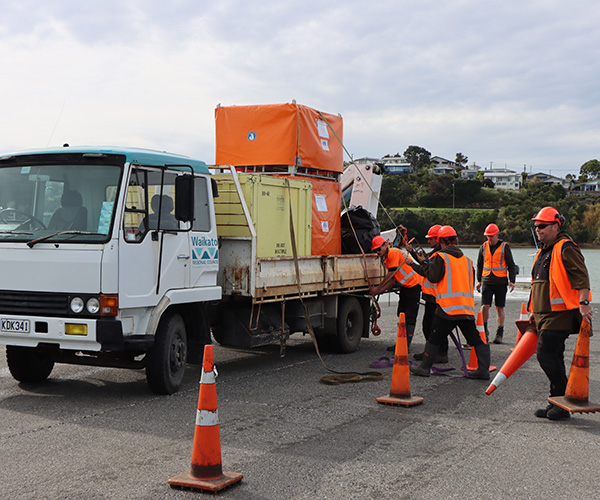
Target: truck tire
(27, 364)
(349, 325)
(167, 358)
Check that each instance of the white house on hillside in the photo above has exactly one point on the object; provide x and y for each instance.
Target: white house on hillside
(550, 180)
(438, 161)
(470, 172)
(503, 179)
(442, 170)
(396, 165)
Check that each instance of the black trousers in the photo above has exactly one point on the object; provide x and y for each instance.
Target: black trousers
(408, 303)
(551, 357)
(427, 324)
(443, 327)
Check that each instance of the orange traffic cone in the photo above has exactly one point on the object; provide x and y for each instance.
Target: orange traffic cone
(206, 472)
(522, 317)
(575, 399)
(526, 348)
(400, 388)
(473, 363)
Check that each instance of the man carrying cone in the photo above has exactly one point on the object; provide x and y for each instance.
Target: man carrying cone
(559, 299)
(452, 272)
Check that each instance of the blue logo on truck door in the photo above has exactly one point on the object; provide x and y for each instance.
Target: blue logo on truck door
(205, 251)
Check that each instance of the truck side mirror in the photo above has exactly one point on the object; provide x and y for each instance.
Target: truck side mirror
(215, 189)
(184, 198)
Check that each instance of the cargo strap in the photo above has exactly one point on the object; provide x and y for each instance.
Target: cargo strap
(339, 377)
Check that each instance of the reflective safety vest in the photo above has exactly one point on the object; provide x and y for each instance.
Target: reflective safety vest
(496, 262)
(454, 292)
(405, 275)
(427, 287)
(562, 296)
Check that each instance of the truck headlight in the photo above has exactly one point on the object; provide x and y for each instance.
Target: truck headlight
(77, 305)
(93, 305)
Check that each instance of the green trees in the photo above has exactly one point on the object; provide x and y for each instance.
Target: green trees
(418, 157)
(461, 160)
(591, 169)
(420, 200)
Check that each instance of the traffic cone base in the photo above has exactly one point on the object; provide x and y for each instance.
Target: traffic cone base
(400, 389)
(575, 399)
(492, 368)
(188, 480)
(574, 406)
(400, 401)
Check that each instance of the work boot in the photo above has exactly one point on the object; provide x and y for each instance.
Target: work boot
(499, 334)
(441, 357)
(543, 412)
(424, 369)
(557, 413)
(483, 360)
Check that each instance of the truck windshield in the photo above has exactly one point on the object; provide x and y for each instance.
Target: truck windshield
(73, 202)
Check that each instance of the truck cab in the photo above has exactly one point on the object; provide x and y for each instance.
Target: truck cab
(108, 256)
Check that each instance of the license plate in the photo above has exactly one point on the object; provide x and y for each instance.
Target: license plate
(9, 325)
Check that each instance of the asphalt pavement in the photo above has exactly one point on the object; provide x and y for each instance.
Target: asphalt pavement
(98, 433)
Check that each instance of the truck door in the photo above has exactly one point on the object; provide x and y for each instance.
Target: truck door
(154, 251)
(204, 262)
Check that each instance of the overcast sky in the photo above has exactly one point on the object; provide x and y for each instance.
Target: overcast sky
(505, 82)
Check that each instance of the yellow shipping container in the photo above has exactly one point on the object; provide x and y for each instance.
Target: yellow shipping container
(268, 201)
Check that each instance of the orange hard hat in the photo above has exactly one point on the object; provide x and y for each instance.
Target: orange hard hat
(433, 231)
(446, 232)
(377, 242)
(549, 214)
(491, 230)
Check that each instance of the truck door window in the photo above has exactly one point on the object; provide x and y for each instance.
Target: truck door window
(146, 209)
(201, 205)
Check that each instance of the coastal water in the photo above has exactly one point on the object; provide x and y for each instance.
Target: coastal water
(523, 257)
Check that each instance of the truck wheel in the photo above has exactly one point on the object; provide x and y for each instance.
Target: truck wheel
(26, 364)
(349, 325)
(167, 358)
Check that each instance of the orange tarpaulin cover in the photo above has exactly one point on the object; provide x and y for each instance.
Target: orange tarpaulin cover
(278, 134)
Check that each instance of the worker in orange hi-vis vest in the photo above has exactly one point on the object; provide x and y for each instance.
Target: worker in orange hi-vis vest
(400, 275)
(559, 299)
(453, 274)
(496, 273)
(428, 295)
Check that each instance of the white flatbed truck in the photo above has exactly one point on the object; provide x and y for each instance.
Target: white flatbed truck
(112, 257)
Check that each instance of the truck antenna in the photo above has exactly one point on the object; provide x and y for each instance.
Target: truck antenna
(56, 124)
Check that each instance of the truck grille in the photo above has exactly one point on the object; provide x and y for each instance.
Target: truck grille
(34, 303)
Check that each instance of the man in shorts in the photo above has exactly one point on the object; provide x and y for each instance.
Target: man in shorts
(496, 273)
